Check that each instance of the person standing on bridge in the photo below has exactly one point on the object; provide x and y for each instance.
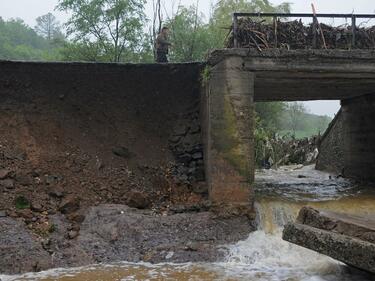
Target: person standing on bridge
(162, 45)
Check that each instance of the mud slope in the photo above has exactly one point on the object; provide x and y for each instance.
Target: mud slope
(98, 132)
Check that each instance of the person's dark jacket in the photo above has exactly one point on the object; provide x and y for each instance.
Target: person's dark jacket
(162, 44)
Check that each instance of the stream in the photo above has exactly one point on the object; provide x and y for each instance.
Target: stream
(264, 255)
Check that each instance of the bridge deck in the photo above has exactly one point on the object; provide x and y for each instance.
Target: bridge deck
(300, 75)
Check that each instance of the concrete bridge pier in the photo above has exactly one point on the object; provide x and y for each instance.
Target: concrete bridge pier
(229, 130)
(359, 137)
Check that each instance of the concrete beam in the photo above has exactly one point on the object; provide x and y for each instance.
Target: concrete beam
(347, 238)
(354, 252)
(303, 75)
(229, 138)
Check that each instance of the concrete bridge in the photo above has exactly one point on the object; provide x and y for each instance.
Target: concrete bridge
(240, 77)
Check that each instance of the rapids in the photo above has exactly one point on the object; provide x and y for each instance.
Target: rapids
(264, 256)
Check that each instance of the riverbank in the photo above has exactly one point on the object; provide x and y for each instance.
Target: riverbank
(112, 233)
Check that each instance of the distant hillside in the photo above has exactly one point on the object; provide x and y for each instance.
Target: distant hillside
(18, 41)
(302, 124)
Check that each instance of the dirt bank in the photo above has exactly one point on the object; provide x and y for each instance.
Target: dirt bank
(98, 132)
(74, 136)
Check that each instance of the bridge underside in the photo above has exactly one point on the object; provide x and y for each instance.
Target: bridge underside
(303, 75)
(240, 77)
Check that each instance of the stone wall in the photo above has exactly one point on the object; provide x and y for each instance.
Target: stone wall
(347, 148)
(331, 147)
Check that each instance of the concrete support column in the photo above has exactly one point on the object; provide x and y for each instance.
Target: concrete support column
(359, 137)
(229, 137)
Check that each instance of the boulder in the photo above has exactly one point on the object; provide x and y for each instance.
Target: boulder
(121, 152)
(4, 173)
(69, 204)
(138, 200)
(7, 183)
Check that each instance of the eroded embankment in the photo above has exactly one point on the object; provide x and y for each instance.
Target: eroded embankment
(75, 136)
(96, 131)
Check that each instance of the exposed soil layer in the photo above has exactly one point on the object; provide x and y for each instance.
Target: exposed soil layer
(77, 135)
(93, 131)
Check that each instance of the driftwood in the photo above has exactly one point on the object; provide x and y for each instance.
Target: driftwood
(296, 35)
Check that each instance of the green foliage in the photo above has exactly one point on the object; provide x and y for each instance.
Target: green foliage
(48, 27)
(52, 228)
(270, 114)
(111, 28)
(20, 42)
(190, 35)
(22, 202)
(205, 75)
(296, 121)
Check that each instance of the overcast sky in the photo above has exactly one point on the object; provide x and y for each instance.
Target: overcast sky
(28, 10)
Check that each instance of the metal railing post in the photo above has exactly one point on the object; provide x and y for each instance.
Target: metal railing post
(235, 30)
(315, 33)
(275, 26)
(353, 30)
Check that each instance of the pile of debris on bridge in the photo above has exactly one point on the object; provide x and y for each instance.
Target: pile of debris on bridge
(260, 34)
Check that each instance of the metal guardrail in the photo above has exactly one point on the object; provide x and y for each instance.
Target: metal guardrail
(275, 16)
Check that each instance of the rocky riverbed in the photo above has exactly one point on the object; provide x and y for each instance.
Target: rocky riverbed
(111, 233)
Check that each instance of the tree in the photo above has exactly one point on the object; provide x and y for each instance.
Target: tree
(114, 27)
(222, 13)
(270, 114)
(296, 112)
(20, 42)
(190, 35)
(48, 27)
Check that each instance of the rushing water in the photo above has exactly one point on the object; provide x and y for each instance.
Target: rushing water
(264, 255)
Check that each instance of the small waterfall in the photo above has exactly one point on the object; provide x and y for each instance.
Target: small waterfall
(265, 256)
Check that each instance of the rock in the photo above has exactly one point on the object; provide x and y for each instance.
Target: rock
(175, 139)
(138, 200)
(73, 234)
(78, 218)
(26, 214)
(184, 158)
(19, 251)
(24, 180)
(195, 129)
(200, 188)
(56, 192)
(4, 173)
(69, 204)
(121, 152)
(35, 206)
(7, 183)
(52, 179)
(3, 214)
(200, 175)
(180, 130)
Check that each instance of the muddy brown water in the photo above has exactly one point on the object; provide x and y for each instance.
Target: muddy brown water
(264, 256)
